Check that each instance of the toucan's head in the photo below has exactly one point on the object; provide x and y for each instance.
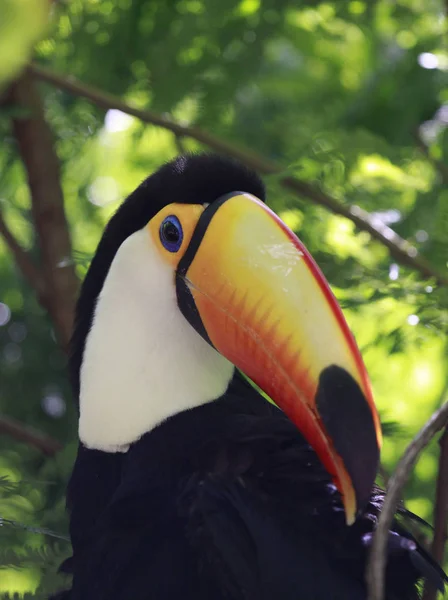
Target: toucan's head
(195, 276)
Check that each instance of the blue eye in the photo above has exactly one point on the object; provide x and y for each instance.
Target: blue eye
(171, 234)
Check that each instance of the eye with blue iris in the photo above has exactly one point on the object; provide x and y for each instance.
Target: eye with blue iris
(171, 234)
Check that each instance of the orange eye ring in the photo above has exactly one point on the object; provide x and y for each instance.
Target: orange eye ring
(171, 230)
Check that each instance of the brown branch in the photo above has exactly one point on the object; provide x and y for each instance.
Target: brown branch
(400, 249)
(24, 263)
(29, 435)
(440, 513)
(377, 561)
(35, 142)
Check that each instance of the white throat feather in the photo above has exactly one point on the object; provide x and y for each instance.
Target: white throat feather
(143, 362)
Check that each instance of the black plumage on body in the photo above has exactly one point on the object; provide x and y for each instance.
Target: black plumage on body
(234, 505)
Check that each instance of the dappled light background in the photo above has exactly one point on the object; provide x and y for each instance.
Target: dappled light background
(351, 96)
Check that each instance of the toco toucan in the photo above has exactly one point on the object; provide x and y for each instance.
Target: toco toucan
(189, 484)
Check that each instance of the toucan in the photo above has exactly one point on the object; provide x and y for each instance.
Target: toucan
(229, 440)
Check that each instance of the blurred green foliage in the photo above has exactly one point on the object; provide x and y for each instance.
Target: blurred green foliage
(19, 32)
(349, 95)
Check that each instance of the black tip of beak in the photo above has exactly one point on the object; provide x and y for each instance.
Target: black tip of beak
(348, 421)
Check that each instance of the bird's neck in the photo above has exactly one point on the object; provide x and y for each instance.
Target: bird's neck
(142, 362)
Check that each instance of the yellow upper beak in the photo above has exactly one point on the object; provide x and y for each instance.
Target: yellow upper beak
(265, 305)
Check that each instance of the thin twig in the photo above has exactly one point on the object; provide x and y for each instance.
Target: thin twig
(29, 435)
(440, 513)
(35, 142)
(400, 249)
(440, 167)
(383, 474)
(441, 516)
(24, 262)
(377, 561)
(179, 144)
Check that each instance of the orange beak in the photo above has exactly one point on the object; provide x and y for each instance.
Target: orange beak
(256, 294)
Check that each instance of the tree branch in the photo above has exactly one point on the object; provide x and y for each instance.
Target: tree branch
(400, 249)
(179, 144)
(24, 263)
(35, 143)
(440, 513)
(377, 561)
(29, 435)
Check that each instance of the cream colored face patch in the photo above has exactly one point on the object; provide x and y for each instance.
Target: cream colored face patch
(143, 362)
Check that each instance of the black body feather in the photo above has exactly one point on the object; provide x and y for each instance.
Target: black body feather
(226, 501)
